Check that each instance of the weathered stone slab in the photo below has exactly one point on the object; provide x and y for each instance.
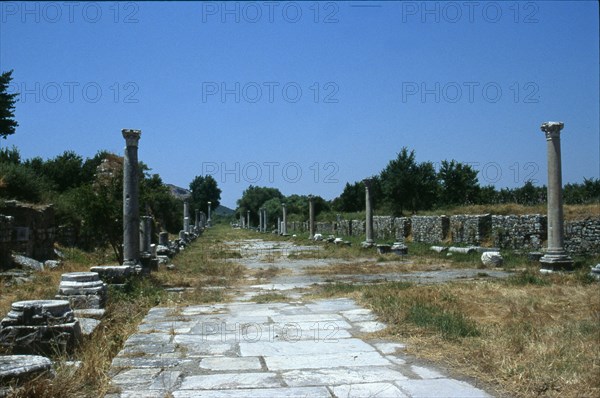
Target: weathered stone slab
(114, 274)
(319, 377)
(20, 368)
(165, 381)
(224, 381)
(340, 359)
(135, 378)
(447, 388)
(426, 373)
(302, 347)
(389, 348)
(294, 392)
(230, 363)
(364, 390)
(95, 313)
(88, 325)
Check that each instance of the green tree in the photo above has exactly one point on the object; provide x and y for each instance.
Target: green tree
(253, 199)
(204, 189)
(7, 106)
(458, 183)
(65, 170)
(352, 198)
(406, 184)
(10, 155)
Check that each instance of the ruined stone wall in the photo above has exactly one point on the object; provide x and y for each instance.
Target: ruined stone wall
(519, 232)
(470, 229)
(583, 237)
(430, 229)
(6, 228)
(32, 230)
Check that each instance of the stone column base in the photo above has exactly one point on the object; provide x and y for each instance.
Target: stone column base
(555, 262)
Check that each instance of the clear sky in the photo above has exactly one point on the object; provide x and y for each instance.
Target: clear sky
(306, 96)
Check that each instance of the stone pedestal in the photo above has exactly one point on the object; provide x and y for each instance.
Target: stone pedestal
(82, 290)
(114, 274)
(163, 239)
(369, 241)
(131, 213)
(40, 327)
(555, 257)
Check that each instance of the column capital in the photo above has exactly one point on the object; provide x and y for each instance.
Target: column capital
(131, 136)
(283, 205)
(552, 129)
(367, 182)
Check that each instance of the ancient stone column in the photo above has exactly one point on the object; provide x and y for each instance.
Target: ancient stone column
(248, 218)
(197, 220)
(186, 216)
(311, 216)
(131, 210)
(284, 220)
(278, 225)
(555, 258)
(260, 220)
(369, 214)
(145, 234)
(266, 219)
(208, 220)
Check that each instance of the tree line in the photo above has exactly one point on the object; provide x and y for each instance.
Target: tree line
(407, 186)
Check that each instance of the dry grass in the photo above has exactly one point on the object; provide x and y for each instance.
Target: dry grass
(571, 212)
(527, 336)
(372, 268)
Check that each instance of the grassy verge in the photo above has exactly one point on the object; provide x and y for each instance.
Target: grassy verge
(200, 267)
(528, 335)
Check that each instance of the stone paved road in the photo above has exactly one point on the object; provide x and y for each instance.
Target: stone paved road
(300, 348)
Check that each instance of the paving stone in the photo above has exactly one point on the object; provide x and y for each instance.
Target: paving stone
(223, 381)
(152, 362)
(333, 376)
(165, 381)
(426, 373)
(148, 339)
(88, 325)
(368, 390)
(293, 392)
(289, 348)
(227, 363)
(371, 358)
(135, 378)
(446, 388)
(370, 326)
(389, 348)
(138, 394)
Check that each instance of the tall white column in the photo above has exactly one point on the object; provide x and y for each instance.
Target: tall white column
(555, 258)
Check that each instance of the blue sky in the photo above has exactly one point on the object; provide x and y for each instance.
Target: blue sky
(306, 96)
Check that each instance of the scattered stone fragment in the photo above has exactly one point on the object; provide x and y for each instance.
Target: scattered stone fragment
(438, 249)
(492, 259)
(19, 368)
(28, 263)
(52, 264)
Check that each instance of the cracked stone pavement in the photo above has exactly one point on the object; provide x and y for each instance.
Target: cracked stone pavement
(299, 348)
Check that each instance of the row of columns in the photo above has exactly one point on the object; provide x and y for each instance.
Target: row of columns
(554, 259)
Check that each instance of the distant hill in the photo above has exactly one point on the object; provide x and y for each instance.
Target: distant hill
(223, 211)
(178, 192)
(182, 193)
